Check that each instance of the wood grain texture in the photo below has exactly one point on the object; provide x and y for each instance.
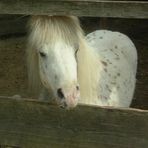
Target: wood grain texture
(35, 124)
(101, 8)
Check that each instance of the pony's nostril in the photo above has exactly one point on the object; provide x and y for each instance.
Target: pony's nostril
(64, 105)
(60, 93)
(77, 87)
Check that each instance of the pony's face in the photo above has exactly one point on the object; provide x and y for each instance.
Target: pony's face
(58, 71)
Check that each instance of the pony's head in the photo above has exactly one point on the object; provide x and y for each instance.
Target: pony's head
(54, 42)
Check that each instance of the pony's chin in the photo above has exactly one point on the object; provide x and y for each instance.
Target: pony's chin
(71, 104)
(67, 103)
(70, 99)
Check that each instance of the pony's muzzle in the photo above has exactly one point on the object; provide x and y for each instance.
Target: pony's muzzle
(60, 93)
(68, 98)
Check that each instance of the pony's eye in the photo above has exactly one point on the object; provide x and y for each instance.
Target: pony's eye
(76, 51)
(42, 54)
(77, 48)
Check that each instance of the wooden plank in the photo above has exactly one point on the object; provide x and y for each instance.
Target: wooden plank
(26, 123)
(101, 8)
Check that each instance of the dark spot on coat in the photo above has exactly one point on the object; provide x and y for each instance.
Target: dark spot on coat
(105, 69)
(88, 37)
(115, 77)
(108, 88)
(117, 58)
(101, 37)
(56, 77)
(108, 60)
(114, 83)
(118, 74)
(116, 46)
(105, 50)
(94, 34)
(44, 82)
(104, 63)
(105, 97)
(116, 54)
(124, 82)
(43, 71)
(109, 75)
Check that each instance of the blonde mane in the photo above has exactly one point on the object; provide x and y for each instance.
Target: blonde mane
(88, 72)
(49, 28)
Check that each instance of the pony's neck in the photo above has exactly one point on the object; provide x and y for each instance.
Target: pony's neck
(88, 72)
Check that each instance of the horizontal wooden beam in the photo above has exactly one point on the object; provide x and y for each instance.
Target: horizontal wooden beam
(100, 8)
(26, 123)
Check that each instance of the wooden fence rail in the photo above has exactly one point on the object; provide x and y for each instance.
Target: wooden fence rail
(35, 124)
(101, 8)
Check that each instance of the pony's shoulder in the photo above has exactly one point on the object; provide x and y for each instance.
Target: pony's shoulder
(110, 43)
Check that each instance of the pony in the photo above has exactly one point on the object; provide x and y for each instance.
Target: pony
(66, 66)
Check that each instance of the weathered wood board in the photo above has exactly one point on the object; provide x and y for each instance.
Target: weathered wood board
(101, 8)
(35, 124)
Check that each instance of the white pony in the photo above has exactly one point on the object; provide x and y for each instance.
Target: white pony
(63, 64)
